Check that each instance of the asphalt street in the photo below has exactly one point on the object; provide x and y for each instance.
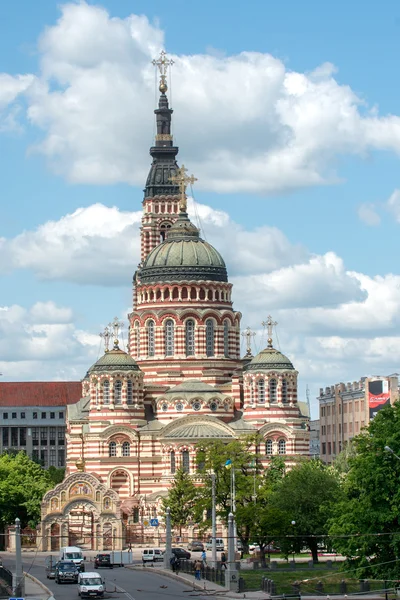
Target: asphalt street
(121, 583)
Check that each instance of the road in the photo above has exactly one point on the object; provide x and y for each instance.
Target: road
(121, 583)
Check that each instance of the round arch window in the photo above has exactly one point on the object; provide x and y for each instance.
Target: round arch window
(213, 406)
(164, 406)
(196, 405)
(179, 406)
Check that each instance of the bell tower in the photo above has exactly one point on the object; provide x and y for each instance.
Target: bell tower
(161, 194)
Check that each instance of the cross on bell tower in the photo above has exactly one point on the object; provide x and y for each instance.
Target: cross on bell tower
(182, 180)
(269, 324)
(163, 63)
(248, 334)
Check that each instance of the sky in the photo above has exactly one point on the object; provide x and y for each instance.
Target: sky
(287, 113)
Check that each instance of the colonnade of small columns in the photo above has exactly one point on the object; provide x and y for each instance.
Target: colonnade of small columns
(186, 293)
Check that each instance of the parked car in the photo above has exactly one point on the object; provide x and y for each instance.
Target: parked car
(219, 544)
(152, 555)
(90, 584)
(181, 553)
(66, 570)
(196, 546)
(103, 560)
(51, 564)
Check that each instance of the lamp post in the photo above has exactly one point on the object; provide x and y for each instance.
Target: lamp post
(213, 523)
(168, 539)
(19, 583)
(293, 525)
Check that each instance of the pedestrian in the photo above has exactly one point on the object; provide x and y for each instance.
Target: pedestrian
(177, 565)
(204, 558)
(197, 569)
(172, 562)
(223, 560)
(130, 548)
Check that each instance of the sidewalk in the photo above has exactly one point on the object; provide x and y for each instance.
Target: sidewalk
(35, 590)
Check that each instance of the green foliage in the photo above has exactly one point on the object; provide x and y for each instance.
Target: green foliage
(371, 500)
(23, 484)
(56, 474)
(182, 500)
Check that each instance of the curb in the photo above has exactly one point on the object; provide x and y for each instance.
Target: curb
(40, 583)
(171, 575)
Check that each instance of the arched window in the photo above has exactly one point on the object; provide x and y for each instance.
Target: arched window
(268, 447)
(163, 231)
(137, 335)
(284, 391)
(150, 338)
(251, 392)
(169, 333)
(282, 447)
(210, 337)
(272, 390)
(126, 449)
(226, 339)
(106, 391)
(261, 390)
(172, 462)
(189, 337)
(129, 392)
(118, 392)
(112, 449)
(185, 461)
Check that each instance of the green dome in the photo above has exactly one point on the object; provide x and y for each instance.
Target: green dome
(183, 256)
(114, 360)
(269, 360)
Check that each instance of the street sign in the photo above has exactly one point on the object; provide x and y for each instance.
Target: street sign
(16, 599)
(146, 522)
(154, 522)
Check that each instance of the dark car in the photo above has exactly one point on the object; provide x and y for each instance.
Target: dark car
(66, 570)
(103, 560)
(196, 546)
(181, 553)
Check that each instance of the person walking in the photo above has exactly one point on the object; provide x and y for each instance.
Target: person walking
(223, 560)
(204, 558)
(197, 569)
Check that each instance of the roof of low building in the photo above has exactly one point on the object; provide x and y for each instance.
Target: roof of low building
(269, 359)
(115, 360)
(193, 386)
(39, 393)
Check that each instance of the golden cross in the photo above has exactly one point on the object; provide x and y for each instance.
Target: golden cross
(182, 180)
(163, 63)
(269, 324)
(116, 326)
(248, 334)
(106, 337)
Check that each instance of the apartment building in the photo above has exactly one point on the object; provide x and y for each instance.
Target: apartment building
(344, 409)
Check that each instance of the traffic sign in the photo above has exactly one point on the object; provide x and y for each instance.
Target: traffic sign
(146, 522)
(154, 522)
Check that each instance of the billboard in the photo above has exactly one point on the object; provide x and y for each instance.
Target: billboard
(378, 395)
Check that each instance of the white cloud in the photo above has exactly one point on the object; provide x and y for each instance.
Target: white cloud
(272, 129)
(11, 88)
(367, 214)
(393, 205)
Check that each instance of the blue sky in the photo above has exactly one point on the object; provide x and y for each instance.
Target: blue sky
(345, 326)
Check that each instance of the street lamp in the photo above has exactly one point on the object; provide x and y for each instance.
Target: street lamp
(388, 449)
(293, 525)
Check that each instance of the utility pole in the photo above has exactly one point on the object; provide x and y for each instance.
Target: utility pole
(168, 538)
(19, 583)
(214, 524)
(231, 582)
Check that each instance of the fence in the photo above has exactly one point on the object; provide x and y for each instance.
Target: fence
(6, 576)
(216, 575)
(322, 588)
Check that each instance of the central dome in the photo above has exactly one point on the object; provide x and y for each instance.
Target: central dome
(183, 256)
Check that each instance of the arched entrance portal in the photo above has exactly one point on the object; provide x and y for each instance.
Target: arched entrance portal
(81, 525)
(55, 536)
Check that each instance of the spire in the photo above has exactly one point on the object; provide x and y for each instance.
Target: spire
(163, 152)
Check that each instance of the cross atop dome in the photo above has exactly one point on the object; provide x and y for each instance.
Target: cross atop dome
(269, 324)
(163, 63)
(248, 334)
(182, 180)
(116, 327)
(105, 335)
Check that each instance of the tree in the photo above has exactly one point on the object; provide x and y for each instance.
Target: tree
(23, 484)
(182, 500)
(306, 496)
(56, 474)
(365, 523)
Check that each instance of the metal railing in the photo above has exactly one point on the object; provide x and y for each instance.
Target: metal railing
(216, 575)
(6, 576)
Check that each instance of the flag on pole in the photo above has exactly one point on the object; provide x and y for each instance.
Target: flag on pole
(228, 464)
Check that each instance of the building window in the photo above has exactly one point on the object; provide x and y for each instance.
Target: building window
(106, 391)
(5, 416)
(322, 411)
(196, 405)
(5, 436)
(261, 390)
(226, 339)
(329, 448)
(43, 436)
(136, 515)
(137, 340)
(328, 411)
(323, 448)
(333, 448)
(213, 406)
(112, 449)
(61, 436)
(340, 428)
(118, 392)
(129, 392)
(13, 415)
(14, 436)
(282, 447)
(268, 447)
(185, 461)
(35, 456)
(209, 337)
(126, 449)
(172, 462)
(52, 415)
(44, 415)
(43, 458)
(61, 458)
(61, 415)
(284, 391)
(53, 456)
(329, 430)
(179, 406)
(344, 427)
(52, 436)
(169, 333)
(150, 339)
(189, 337)
(35, 436)
(34, 415)
(272, 390)
(251, 392)
(22, 415)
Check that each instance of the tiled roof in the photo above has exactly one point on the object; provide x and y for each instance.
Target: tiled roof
(39, 393)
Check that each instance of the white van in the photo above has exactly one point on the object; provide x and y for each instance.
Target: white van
(219, 544)
(75, 554)
(152, 555)
(90, 584)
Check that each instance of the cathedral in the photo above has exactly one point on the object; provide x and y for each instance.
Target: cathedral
(143, 412)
